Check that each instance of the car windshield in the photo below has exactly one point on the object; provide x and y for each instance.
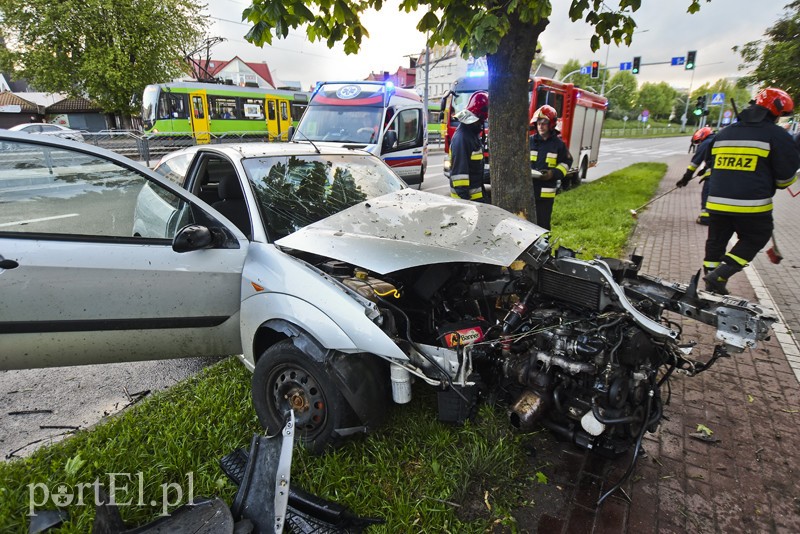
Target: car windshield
(341, 124)
(295, 191)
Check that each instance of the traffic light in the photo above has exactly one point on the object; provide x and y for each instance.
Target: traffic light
(636, 62)
(690, 60)
(595, 69)
(700, 106)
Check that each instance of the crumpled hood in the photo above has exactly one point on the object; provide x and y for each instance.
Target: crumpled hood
(409, 228)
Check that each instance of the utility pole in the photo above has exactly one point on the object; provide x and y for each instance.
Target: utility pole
(685, 117)
(603, 84)
(427, 72)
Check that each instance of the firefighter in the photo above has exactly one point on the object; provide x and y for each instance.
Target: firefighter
(466, 150)
(549, 155)
(703, 138)
(752, 159)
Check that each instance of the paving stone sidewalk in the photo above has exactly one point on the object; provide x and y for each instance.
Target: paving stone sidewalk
(748, 481)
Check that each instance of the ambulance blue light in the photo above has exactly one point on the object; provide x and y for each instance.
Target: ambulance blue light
(476, 73)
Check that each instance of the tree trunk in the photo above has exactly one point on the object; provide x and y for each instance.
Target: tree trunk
(509, 68)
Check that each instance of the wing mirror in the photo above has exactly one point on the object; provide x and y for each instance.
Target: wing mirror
(193, 237)
(389, 140)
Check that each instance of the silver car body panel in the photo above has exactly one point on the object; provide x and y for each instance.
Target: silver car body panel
(411, 228)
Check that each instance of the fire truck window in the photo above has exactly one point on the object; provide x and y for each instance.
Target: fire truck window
(556, 100)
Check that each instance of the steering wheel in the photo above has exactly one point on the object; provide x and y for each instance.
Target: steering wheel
(365, 130)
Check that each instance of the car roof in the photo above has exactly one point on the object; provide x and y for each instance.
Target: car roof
(259, 150)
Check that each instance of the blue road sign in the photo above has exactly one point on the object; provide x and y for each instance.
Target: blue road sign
(586, 70)
(717, 99)
(626, 66)
(677, 61)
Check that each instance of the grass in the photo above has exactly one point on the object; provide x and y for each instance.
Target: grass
(418, 474)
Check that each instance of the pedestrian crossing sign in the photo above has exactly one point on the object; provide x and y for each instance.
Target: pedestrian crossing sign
(717, 99)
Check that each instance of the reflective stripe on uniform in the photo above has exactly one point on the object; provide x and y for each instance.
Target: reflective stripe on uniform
(732, 143)
(739, 155)
(692, 167)
(548, 192)
(459, 180)
(737, 259)
(783, 184)
(552, 159)
(711, 264)
(534, 156)
(713, 206)
(563, 168)
(476, 193)
(478, 155)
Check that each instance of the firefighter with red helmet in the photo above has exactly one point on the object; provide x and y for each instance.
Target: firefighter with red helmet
(466, 150)
(703, 139)
(550, 160)
(753, 158)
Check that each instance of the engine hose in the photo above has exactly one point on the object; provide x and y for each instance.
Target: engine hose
(422, 353)
(636, 448)
(615, 420)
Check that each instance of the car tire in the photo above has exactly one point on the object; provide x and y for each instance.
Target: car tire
(286, 377)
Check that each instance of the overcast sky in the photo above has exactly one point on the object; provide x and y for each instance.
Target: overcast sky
(665, 30)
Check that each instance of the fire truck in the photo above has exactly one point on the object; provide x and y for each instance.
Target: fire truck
(580, 118)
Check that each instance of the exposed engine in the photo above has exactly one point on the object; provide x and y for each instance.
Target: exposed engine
(582, 347)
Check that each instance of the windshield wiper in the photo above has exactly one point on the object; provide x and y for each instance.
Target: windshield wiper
(307, 139)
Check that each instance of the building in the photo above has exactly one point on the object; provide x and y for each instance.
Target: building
(403, 77)
(446, 65)
(239, 72)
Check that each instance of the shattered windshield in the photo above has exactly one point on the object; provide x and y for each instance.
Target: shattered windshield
(295, 191)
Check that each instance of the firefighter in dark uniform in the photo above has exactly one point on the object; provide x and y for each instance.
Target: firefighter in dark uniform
(752, 159)
(466, 150)
(703, 139)
(550, 157)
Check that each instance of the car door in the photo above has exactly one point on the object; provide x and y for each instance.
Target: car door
(79, 287)
(405, 157)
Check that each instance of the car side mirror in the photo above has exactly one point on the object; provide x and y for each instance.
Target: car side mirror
(290, 133)
(389, 140)
(192, 237)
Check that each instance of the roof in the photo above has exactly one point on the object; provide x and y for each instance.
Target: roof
(260, 150)
(73, 105)
(10, 99)
(261, 69)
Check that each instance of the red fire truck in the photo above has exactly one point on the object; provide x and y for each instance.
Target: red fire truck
(580, 118)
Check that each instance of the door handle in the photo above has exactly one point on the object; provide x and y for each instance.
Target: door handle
(8, 264)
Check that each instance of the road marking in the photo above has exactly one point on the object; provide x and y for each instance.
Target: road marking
(782, 333)
(20, 223)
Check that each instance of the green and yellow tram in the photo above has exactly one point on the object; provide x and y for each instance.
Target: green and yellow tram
(202, 110)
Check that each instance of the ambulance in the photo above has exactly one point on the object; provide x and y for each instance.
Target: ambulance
(378, 117)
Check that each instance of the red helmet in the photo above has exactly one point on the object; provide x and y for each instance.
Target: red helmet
(777, 101)
(545, 112)
(701, 135)
(477, 108)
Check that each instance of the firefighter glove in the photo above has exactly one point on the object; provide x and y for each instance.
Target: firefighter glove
(685, 180)
(546, 175)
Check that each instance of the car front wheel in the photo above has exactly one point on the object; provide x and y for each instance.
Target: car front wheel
(285, 378)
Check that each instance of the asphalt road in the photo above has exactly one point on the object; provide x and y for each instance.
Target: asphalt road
(40, 406)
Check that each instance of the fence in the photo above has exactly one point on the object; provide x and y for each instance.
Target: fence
(635, 131)
(148, 148)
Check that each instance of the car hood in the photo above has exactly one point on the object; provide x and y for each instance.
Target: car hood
(410, 228)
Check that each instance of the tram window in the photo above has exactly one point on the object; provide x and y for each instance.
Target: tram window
(253, 108)
(197, 107)
(177, 106)
(271, 109)
(221, 107)
(284, 111)
(298, 109)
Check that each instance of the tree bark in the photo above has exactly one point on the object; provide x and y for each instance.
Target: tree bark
(509, 68)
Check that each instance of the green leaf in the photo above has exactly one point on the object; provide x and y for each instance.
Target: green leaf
(74, 465)
(704, 429)
(541, 478)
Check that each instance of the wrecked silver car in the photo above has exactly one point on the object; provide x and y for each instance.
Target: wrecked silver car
(339, 286)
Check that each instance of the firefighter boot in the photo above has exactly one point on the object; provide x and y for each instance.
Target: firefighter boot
(717, 279)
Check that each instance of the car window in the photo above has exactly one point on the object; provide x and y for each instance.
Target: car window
(174, 168)
(67, 194)
(295, 191)
(50, 128)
